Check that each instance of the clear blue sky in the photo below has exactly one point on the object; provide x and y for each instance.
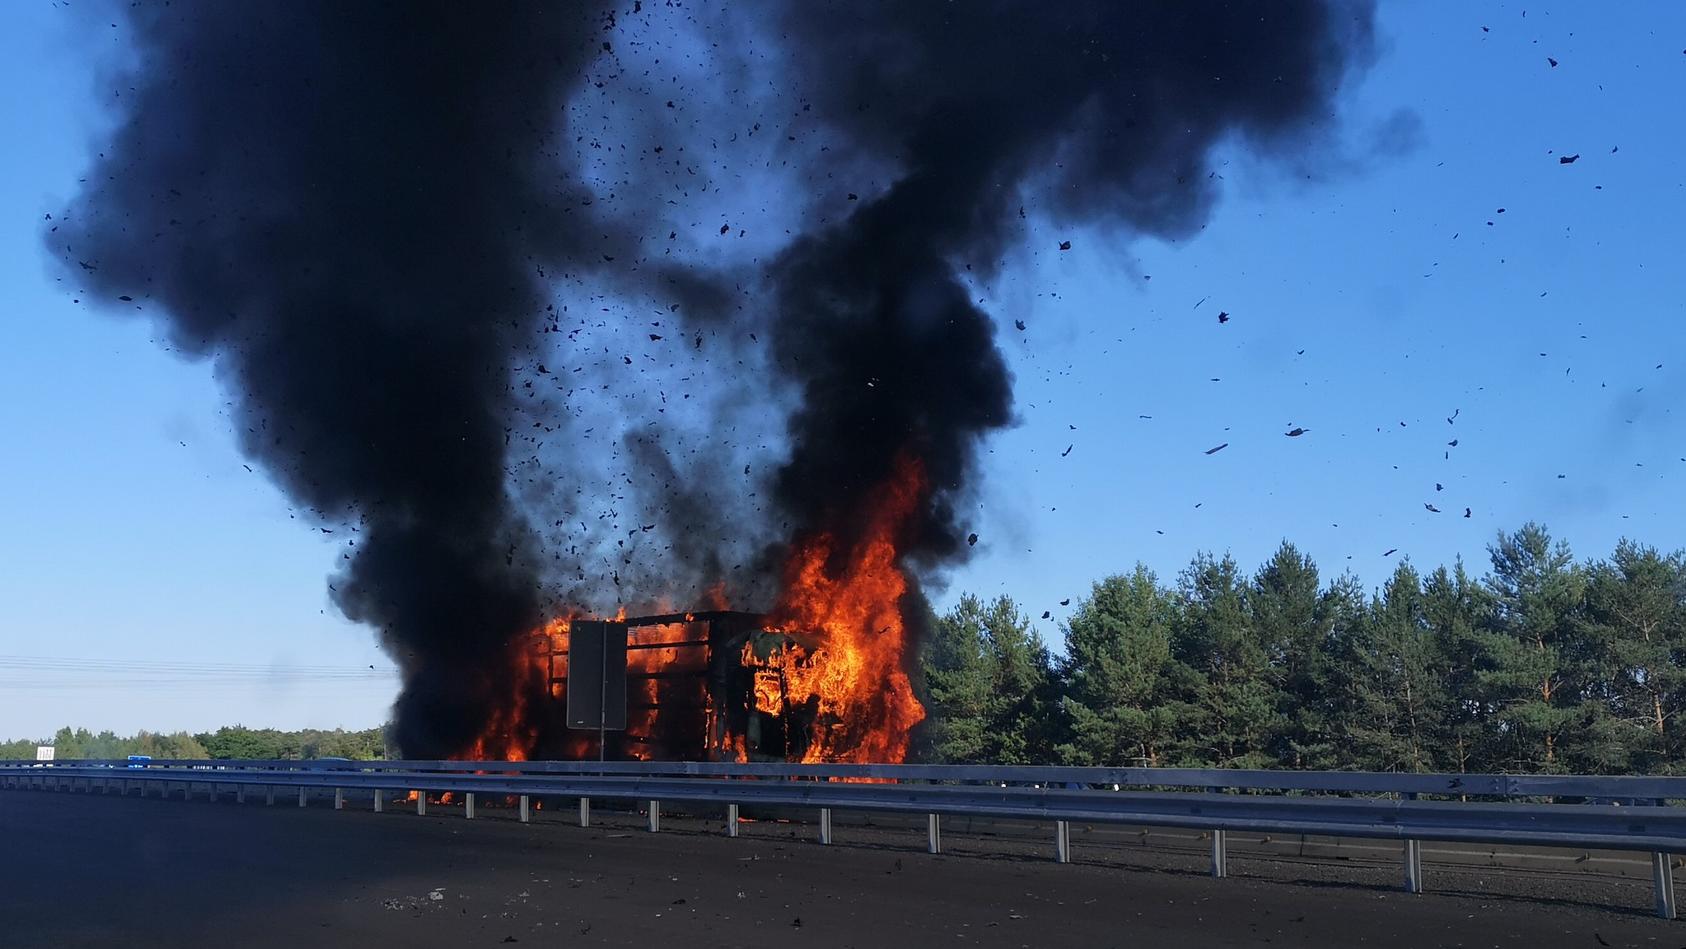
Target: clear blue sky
(130, 530)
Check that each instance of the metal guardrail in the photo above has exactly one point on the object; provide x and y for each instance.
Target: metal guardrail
(1334, 803)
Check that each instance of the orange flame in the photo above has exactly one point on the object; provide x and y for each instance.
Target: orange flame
(842, 670)
(854, 671)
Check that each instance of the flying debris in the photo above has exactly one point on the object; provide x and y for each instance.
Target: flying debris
(1431, 508)
(1223, 316)
(1213, 451)
(971, 540)
(1568, 160)
(884, 373)
(1390, 551)
(1296, 432)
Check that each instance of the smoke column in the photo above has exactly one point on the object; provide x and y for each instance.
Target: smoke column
(1091, 111)
(348, 206)
(360, 212)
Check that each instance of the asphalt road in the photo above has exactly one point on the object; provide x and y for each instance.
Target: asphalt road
(92, 870)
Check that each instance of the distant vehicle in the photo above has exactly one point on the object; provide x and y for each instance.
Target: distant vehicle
(139, 761)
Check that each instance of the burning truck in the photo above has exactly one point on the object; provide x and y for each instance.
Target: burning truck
(715, 685)
(822, 677)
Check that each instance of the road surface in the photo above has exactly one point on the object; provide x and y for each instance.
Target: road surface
(93, 870)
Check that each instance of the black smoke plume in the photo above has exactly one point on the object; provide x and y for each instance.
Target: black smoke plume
(348, 206)
(1088, 111)
(360, 212)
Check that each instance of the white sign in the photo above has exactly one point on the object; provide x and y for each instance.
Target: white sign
(45, 752)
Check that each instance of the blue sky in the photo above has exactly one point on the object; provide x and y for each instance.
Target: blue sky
(130, 529)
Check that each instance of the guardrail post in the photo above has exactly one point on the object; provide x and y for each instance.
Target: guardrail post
(468, 805)
(933, 833)
(301, 797)
(825, 825)
(269, 794)
(585, 812)
(239, 794)
(1220, 854)
(1662, 874)
(526, 810)
(421, 803)
(211, 795)
(1413, 857)
(731, 820)
(187, 790)
(655, 816)
(339, 799)
(380, 800)
(1062, 841)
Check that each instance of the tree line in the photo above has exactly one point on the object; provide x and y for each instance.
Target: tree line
(232, 742)
(1542, 664)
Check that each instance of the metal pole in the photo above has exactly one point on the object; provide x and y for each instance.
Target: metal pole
(933, 833)
(380, 801)
(1220, 854)
(655, 816)
(603, 694)
(468, 805)
(1413, 856)
(239, 794)
(268, 794)
(1062, 841)
(421, 803)
(1662, 874)
(339, 799)
(825, 825)
(526, 810)
(731, 820)
(585, 812)
(301, 797)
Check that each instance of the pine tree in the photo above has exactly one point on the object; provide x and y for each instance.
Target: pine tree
(1535, 668)
(1293, 623)
(1456, 609)
(989, 686)
(1233, 706)
(1394, 694)
(1118, 673)
(1636, 616)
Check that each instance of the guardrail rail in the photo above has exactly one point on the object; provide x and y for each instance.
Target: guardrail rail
(1629, 813)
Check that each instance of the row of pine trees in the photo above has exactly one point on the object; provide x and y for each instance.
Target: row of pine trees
(1542, 664)
(230, 741)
